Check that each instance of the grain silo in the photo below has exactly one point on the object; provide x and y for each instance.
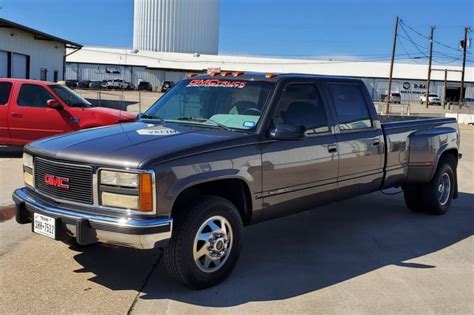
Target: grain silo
(186, 26)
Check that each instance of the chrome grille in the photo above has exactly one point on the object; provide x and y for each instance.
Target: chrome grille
(79, 176)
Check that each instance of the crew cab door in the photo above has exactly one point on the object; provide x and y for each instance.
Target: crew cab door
(5, 92)
(30, 118)
(299, 173)
(359, 136)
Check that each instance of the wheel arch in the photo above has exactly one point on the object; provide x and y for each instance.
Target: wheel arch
(427, 148)
(234, 189)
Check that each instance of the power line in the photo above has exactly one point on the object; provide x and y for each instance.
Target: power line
(407, 53)
(417, 46)
(422, 35)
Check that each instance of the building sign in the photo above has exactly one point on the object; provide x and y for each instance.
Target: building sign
(114, 70)
(415, 88)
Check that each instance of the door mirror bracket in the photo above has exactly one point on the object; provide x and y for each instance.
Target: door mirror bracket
(288, 132)
(52, 103)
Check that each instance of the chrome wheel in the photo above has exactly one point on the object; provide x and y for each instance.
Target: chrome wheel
(212, 244)
(444, 189)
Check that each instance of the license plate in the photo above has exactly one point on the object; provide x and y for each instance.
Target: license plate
(44, 225)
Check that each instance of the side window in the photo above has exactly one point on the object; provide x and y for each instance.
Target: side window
(32, 95)
(301, 104)
(5, 88)
(351, 107)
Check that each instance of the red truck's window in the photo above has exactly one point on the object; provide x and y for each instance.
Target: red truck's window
(351, 107)
(32, 95)
(5, 88)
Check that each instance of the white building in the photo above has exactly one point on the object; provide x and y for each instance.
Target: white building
(26, 53)
(92, 63)
(188, 26)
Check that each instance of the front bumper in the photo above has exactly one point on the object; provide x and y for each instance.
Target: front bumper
(89, 228)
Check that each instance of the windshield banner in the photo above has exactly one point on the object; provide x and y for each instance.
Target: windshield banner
(217, 83)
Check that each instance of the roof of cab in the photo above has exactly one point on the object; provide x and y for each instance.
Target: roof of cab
(37, 82)
(261, 76)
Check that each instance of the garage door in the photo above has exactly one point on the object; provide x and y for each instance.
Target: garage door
(3, 64)
(19, 66)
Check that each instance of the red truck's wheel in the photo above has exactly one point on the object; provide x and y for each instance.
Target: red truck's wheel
(205, 244)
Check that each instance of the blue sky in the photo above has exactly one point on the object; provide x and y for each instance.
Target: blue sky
(340, 29)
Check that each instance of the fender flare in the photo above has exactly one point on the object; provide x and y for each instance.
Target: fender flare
(425, 150)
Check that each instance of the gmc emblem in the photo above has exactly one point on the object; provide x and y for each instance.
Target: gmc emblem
(56, 181)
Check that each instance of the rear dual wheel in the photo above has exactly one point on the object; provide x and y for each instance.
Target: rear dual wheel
(435, 196)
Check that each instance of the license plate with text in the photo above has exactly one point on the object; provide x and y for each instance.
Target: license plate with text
(44, 225)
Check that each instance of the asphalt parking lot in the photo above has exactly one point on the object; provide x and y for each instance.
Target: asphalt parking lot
(365, 255)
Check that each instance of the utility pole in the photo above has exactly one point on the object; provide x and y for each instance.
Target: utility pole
(445, 87)
(387, 105)
(445, 82)
(427, 100)
(461, 95)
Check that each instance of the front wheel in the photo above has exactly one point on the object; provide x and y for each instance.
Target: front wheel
(206, 242)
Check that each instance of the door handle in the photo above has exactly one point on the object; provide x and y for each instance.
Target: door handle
(376, 141)
(17, 115)
(332, 148)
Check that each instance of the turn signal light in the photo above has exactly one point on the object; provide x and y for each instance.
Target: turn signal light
(146, 192)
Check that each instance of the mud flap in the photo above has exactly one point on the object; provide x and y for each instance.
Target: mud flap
(85, 234)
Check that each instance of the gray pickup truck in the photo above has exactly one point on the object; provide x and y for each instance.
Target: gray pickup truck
(221, 151)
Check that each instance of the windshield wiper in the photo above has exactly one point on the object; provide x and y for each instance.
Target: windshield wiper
(147, 116)
(204, 120)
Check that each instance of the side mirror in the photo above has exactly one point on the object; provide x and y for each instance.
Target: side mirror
(52, 103)
(288, 132)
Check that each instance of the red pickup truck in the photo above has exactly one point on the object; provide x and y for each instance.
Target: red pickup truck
(30, 110)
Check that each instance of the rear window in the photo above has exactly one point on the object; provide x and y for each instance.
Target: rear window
(5, 88)
(396, 94)
(351, 107)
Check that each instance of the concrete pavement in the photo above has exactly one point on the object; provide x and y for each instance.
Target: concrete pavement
(364, 255)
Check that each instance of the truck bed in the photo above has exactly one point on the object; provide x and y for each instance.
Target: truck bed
(401, 151)
(397, 118)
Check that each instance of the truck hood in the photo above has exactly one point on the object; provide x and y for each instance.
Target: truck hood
(120, 114)
(135, 144)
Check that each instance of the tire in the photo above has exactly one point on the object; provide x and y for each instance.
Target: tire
(188, 259)
(438, 202)
(412, 193)
(434, 197)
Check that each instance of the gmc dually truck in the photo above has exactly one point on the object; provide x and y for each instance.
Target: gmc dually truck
(221, 151)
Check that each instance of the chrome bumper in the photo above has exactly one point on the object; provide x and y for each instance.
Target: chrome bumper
(90, 228)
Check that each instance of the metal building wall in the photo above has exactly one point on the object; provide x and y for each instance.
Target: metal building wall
(43, 54)
(133, 74)
(187, 26)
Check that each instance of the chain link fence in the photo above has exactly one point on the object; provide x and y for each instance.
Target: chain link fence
(132, 101)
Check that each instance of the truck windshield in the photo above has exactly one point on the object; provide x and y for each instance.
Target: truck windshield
(69, 96)
(227, 103)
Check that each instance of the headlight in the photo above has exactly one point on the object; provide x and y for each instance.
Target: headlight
(119, 179)
(127, 190)
(27, 161)
(120, 201)
(28, 167)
